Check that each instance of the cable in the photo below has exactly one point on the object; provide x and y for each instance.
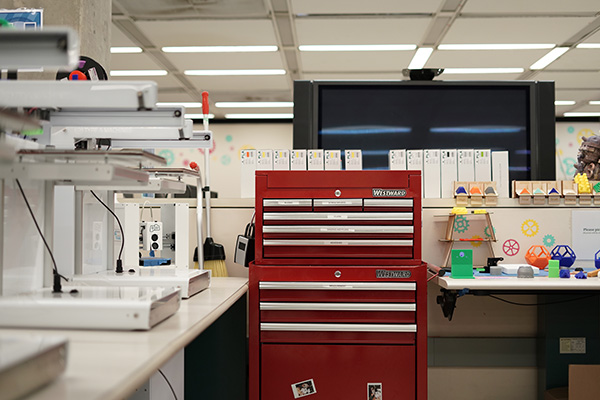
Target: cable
(169, 383)
(57, 287)
(119, 261)
(433, 276)
(539, 304)
(142, 212)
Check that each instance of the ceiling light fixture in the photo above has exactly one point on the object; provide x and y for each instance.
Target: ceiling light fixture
(232, 72)
(490, 46)
(198, 116)
(483, 70)
(144, 72)
(564, 102)
(594, 103)
(186, 104)
(125, 50)
(582, 114)
(219, 49)
(420, 58)
(588, 46)
(254, 104)
(549, 58)
(357, 47)
(260, 116)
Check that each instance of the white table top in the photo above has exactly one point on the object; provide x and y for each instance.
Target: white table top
(107, 365)
(541, 283)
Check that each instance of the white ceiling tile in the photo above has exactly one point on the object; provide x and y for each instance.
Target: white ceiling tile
(175, 97)
(478, 77)
(484, 58)
(132, 61)
(163, 81)
(209, 33)
(235, 84)
(595, 38)
(364, 7)
(578, 59)
(530, 6)
(571, 80)
(580, 96)
(356, 61)
(361, 31)
(354, 75)
(514, 30)
(118, 38)
(226, 60)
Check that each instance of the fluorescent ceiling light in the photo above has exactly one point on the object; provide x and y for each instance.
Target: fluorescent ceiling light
(564, 103)
(230, 72)
(594, 103)
(198, 116)
(219, 49)
(133, 49)
(144, 72)
(588, 46)
(483, 70)
(582, 114)
(549, 58)
(259, 116)
(186, 104)
(420, 58)
(357, 47)
(254, 104)
(510, 46)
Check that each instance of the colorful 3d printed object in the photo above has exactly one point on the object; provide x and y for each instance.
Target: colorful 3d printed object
(580, 275)
(565, 273)
(490, 191)
(554, 191)
(475, 191)
(597, 260)
(597, 187)
(583, 185)
(553, 269)
(461, 190)
(458, 210)
(564, 254)
(462, 264)
(538, 192)
(524, 192)
(537, 256)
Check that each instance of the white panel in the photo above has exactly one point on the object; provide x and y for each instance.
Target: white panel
(484, 58)
(572, 80)
(363, 7)
(64, 229)
(354, 75)
(209, 33)
(579, 59)
(162, 81)
(240, 83)
(478, 77)
(514, 30)
(132, 61)
(23, 251)
(361, 31)
(226, 60)
(94, 233)
(530, 6)
(356, 61)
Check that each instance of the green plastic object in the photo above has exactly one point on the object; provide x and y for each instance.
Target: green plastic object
(462, 264)
(553, 269)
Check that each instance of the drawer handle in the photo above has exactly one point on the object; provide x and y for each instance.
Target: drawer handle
(277, 306)
(338, 286)
(283, 327)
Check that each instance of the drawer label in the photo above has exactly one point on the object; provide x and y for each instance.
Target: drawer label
(389, 193)
(387, 274)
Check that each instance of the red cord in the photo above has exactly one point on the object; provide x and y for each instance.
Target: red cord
(433, 276)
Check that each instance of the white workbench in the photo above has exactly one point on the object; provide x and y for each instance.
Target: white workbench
(541, 283)
(108, 365)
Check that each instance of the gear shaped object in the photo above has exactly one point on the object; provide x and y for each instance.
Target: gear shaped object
(549, 240)
(487, 232)
(478, 242)
(461, 224)
(511, 247)
(530, 228)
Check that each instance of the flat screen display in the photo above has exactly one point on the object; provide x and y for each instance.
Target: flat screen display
(378, 118)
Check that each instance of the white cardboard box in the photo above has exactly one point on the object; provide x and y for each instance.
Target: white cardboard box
(483, 165)
(333, 160)
(397, 160)
(315, 160)
(353, 160)
(281, 160)
(500, 173)
(449, 172)
(264, 160)
(431, 174)
(298, 160)
(414, 162)
(466, 166)
(247, 178)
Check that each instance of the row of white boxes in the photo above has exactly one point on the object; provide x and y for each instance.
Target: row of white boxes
(440, 168)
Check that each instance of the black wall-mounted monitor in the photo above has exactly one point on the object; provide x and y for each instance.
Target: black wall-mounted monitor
(377, 116)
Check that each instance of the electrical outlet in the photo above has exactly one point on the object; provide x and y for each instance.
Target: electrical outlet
(152, 235)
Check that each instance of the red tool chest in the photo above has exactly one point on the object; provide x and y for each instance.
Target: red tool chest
(338, 301)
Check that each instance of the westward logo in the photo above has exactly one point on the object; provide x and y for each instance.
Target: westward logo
(385, 274)
(389, 193)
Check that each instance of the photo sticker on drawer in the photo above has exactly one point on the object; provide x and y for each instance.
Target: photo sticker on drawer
(304, 388)
(374, 391)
